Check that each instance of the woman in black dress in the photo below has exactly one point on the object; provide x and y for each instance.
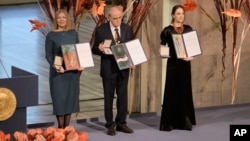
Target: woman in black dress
(178, 108)
(64, 85)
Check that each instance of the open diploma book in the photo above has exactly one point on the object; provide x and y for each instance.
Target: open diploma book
(77, 55)
(186, 44)
(128, 54)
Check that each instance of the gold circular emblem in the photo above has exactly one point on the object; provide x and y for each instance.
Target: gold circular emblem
(7, 103)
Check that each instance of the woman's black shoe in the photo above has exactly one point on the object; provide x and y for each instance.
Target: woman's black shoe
(166, 128)
(188, 127)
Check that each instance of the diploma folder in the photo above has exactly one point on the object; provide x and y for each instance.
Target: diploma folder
(129, 54)
(77, 55)
(187, 44)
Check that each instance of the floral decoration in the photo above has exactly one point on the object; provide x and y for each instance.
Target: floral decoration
(80, 9)
(77, 9)
(232, 13)
(190, 5)
(138, 14)
(235, 12)
(48, 134)
(4, 137)
(37, 25)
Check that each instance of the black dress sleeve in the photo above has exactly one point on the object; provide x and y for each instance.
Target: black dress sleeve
(164, 36)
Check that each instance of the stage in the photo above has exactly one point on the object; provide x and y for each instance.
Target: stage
(213, 124)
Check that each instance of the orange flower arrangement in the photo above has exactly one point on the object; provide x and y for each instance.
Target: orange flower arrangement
(232, 13)
(239, 11)
(36, 25)
(80, 9)
(4, 137)
(77, 9)
(49, 134)
(139, 12)
(190, 5)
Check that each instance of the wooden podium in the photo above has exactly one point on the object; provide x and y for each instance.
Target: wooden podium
(25, 87)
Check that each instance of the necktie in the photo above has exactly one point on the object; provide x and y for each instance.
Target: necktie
(117, 36)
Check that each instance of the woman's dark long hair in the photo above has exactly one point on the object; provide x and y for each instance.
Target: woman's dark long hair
(174, 10)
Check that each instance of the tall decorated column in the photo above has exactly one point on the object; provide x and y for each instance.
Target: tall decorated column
(145, 81)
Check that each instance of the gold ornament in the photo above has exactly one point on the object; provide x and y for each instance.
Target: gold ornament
(7, 103)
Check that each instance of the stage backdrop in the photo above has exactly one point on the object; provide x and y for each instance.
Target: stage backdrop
(209, 88)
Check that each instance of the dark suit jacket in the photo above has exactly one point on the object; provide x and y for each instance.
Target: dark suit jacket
(108, 63)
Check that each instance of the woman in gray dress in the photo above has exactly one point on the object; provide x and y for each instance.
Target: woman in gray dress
(64, 85)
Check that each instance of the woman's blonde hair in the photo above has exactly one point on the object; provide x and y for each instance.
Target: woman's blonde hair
(69, 23)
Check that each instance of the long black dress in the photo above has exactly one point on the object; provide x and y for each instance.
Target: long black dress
(178, 108)
(64, 87)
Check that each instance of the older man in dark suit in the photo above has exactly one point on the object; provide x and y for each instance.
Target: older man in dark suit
(113, 79)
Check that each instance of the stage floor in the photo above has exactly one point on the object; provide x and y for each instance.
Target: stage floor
(213, 124)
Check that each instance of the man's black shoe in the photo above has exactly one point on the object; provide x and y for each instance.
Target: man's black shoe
(124, 129)
(111, 131)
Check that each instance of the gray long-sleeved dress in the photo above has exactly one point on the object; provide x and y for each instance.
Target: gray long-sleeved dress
(64, 87)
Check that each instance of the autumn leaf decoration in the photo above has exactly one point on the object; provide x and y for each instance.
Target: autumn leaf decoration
(239, 11)
(98, 8)
(139, 12)
(235, 13)
(232, 13)
(37, 25)
(48, 134)
(77, 9)
(4, 137)
(190, 5)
